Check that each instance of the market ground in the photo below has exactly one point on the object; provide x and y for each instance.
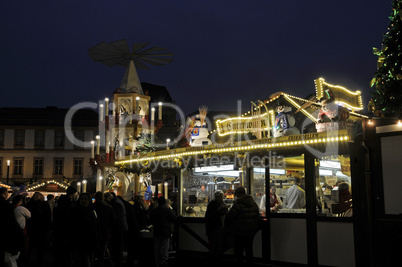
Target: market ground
(174, 260)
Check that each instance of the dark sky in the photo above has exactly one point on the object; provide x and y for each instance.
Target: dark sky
(224, 51)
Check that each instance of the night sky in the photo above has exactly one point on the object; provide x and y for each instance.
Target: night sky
(224, 51)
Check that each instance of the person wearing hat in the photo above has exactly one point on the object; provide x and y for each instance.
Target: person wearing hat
(71, 190)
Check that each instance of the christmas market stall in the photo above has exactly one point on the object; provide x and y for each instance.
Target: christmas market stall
(284, 146)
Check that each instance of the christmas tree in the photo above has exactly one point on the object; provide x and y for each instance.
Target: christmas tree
(386, 98)
(145, 144)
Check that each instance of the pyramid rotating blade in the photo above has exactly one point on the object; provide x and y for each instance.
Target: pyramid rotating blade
(156, 61)
(153, 49)
(157, 55)
(140, 65)
(121, 46)
(138, 46)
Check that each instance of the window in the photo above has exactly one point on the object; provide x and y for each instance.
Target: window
(39, 138)
(78, 166)
(18, 165)
(19, 137)
(1, 137)
(201, 183)
(58, 166)
(38, 166)
(258, 187)
(286, 186)
(80, 136)
(59, 138)
(333, 187)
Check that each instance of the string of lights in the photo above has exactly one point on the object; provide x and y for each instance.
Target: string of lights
(168, 154)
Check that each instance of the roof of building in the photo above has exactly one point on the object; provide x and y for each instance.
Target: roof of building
(49, 116)
(157, 93)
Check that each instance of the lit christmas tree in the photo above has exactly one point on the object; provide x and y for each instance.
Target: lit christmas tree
(145, 144)
(386, 98)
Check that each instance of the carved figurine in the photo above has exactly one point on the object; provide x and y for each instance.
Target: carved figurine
(199, 133)
(330, 114)
(284, 122)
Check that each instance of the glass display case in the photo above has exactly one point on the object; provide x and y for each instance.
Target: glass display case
(199, 186)
(333, 187)
(285, 173)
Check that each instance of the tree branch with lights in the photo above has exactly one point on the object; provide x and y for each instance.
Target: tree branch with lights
(387, 81)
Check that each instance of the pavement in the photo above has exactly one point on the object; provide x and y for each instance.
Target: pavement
(175, 259)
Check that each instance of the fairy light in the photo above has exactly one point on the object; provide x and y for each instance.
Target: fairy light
(47, 182)
(278, 143)
(298, 106)
(291, 99)
(319, 86)
(4, 185)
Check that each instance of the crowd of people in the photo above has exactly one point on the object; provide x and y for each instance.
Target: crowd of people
(235, 227)
(78, 231)
(81, 231)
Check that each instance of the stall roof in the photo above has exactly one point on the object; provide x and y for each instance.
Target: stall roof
(284, 142)
(41, 186)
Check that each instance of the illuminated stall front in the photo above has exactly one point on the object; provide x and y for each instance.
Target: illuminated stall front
(298, 144)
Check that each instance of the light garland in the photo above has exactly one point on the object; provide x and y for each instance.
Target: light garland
(283, 144)
(4, 185)
(45, 183)
(305, 112)
(319, 87)
(270, 113)
(358, 115)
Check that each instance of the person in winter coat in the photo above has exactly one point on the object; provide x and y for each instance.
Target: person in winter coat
(22, 214)
(120, 228)
(106, 223)
(214, 218)
(61, 222)
(141, 213)
(38, 226)
(84, 232)
(131, 237)
(162, 219)
(243, 222)
(12, 237)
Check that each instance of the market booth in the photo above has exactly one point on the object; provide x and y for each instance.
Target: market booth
(293, 140)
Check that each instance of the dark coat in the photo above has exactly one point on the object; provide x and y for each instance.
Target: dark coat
(244, 217)
(61, 215)
(105, 218)
(133, 228)
(12, 234)
(213, 216)
(39, 224)
(84, 230)
(119, 215)
(141, 216)
(162, 219)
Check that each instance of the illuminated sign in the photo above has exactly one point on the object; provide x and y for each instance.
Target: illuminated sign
(343, 97)
(240, 125)
(263, 122)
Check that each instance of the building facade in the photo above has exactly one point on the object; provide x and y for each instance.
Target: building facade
(35, 146)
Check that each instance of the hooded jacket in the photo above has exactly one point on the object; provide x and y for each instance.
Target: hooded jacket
(244, 217)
